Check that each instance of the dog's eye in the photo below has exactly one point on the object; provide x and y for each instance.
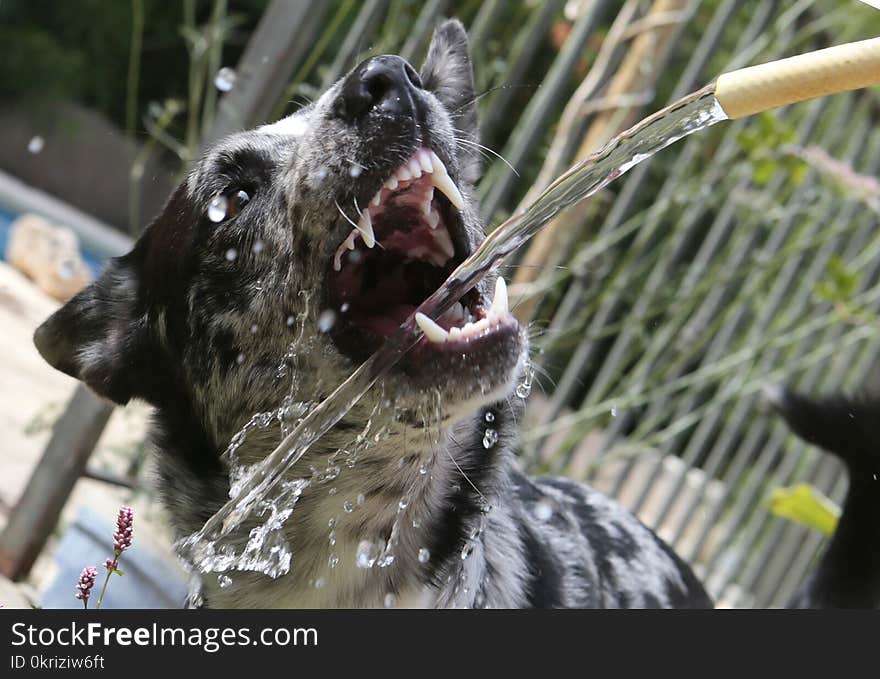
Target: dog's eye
(235, 202)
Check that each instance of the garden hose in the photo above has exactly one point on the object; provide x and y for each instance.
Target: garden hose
(751, 90)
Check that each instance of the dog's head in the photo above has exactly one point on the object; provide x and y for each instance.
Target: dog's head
(323, 230)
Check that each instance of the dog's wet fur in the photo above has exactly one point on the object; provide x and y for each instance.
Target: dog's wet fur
(197, 317)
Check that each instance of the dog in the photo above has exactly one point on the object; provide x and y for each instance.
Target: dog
(283, 260)
(848, 574)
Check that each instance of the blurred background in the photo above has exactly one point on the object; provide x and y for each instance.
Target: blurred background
(747, 255)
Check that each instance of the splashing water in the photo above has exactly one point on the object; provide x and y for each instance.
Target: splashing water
(217, 209)
(693, 113)
(490, 438)
(36, 144)
(225, 79)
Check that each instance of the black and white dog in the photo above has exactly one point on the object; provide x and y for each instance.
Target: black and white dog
(284, 259)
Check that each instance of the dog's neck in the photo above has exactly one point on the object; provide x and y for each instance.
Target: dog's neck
(384, 482)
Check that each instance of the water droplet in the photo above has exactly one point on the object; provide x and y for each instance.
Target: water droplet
(424, 555)
(543, 510)
(416, 523)
(332, 491)
(225, 79)
(361, 499)
(490, 438)
(258, 247)
(254, 329)
(390, 600)
(224, 581)
(36, 144)
(217, 208)
(489, 416)
(345, 307)
(402, 505)
(326, 320)
(367, 553)
(467, 550)
(523, 390)
(331, 523)
(333, 561)
(290, 321)
(355, 170)
(613, 411)
(319, 583)
(239, 359)
(331, 538)
(423, 469)
(348, 506)
(231, 255)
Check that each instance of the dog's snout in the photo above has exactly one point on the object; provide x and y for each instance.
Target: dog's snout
(387, 84)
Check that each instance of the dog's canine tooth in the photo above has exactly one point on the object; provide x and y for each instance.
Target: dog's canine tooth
(500, 304)
(443, 182)
(365, 226)
(424, 158)
(347, 244)
(415, 169)
(442, 239)
(432, 331)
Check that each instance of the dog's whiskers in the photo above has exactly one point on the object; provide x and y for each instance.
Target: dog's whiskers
(485, 150)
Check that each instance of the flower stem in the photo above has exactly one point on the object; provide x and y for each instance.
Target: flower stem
(106, 582)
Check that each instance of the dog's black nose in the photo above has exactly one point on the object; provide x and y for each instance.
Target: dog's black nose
(387, 84)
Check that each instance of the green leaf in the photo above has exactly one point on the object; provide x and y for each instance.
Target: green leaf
(118, 572)
(805, 505)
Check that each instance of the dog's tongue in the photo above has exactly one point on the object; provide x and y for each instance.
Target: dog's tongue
(388, 322)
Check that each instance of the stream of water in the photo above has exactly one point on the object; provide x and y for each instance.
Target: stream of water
(263, 490)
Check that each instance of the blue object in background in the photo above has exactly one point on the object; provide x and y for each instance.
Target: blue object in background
(151, 580)
(94, 262)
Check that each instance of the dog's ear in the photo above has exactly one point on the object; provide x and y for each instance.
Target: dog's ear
(96, 336)
(104, 336)
(448, 74)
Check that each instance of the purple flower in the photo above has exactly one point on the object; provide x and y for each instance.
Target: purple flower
(110, 564)
(122, 536)
(86, 582)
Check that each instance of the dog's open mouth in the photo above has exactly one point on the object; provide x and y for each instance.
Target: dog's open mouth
(408, 240)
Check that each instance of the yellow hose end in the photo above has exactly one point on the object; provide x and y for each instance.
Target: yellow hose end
(815, 74)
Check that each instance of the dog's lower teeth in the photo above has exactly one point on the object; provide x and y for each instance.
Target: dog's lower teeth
(365, 226)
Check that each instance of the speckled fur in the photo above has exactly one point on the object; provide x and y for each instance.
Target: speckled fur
(198, 318)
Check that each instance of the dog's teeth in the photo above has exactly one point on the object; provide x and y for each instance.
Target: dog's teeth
(432, 331)
(403, 174)
(455, 334)
(377, 199)
(429, 198)
(442, 239)
(391, 183)
(365, 226)
(424, 158)
(499, 304)
(347, 244)
(447, 186)
(415, 169)
(433, 218)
